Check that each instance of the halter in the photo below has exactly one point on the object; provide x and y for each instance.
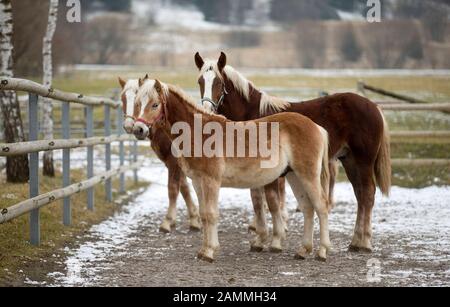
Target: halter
(159, 118)
(129, 117)
(217, 105)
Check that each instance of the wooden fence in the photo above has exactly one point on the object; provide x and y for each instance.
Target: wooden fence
(34, 146)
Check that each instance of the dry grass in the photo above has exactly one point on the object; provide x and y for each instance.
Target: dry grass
(15, 251)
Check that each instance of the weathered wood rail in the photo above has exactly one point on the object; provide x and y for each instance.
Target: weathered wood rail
(34, 146)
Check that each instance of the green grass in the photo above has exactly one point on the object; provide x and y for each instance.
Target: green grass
(15, 251)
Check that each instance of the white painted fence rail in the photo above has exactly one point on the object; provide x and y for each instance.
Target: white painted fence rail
(8, 150)
(34, 146)
(14, 84)
(48, 198)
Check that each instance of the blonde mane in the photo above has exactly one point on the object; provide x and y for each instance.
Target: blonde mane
(268, 104)
(148, 89)
(177, 91)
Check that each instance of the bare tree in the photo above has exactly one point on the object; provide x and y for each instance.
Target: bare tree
(47, 123)
(16, 167)
(106, 39)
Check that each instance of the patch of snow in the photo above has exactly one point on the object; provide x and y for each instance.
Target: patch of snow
(350, 16)
(422, 215)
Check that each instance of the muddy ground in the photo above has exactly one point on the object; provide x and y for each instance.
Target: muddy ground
(411, 240)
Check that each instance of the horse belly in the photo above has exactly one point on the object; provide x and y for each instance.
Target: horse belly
(249, 174)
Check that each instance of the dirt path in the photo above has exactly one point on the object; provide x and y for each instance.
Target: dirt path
(153, 259)
(412, 246)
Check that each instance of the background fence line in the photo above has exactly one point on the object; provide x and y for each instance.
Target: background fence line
(34, 146)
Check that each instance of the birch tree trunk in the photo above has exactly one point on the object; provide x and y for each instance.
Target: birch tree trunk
(16, 167)
(47, 123)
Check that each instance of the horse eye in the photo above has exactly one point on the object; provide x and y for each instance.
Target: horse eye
(155, 106)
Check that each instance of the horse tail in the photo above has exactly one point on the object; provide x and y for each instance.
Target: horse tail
(325, 171)
(383, 168)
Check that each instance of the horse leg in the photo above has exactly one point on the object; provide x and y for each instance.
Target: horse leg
(262, 233)
(259, 200)
(208, 194)
(173, 186)
(308, 213)
(273, 201)
(361, 178)
(282, 198)
(194, 218)
(334, 171)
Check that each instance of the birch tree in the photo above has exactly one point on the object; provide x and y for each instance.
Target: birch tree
(47, 123)
(16, 167)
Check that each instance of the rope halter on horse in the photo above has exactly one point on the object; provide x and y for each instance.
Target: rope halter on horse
(218, 104)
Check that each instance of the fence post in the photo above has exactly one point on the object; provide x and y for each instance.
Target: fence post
(67, 214)
(33, 124)
(90, 154)
(121, 150)
(108, 183)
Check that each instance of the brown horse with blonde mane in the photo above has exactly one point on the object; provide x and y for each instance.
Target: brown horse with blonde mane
(359, 134)
(161, 145)
(300, 146)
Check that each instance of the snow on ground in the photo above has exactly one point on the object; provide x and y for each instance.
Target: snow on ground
(421, 216)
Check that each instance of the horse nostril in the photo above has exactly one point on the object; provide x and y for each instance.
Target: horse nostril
(141, 131)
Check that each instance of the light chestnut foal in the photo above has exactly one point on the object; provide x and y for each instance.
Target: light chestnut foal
(161, 145)
(302, 154)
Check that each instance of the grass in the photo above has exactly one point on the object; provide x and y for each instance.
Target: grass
(16, 254)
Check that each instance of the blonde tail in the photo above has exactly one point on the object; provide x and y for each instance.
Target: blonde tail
(325, 173)
(383, 168)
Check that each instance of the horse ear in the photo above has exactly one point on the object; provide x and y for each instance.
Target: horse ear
(199, 61)
(141, 82)
(222, 61)
(158, 87)
(146, 77)
(122, 82)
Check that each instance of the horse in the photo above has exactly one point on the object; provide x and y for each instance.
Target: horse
(358, 131)
(301, 149)
(161, 145)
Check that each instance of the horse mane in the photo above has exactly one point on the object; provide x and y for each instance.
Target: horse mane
(148, 88)
(268, 104)
(180, 94)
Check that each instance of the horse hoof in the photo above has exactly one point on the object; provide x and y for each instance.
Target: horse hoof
(299, 257)
(194, 229)
(321, 259)
(251, 228)
(275, 250)
(256, 249)
(357, 249)
(164, 230)
(205, 258)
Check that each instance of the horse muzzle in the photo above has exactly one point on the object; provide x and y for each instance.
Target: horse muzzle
(128, 125)
(141, 131)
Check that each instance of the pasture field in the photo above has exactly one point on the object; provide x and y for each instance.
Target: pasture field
(297, 86)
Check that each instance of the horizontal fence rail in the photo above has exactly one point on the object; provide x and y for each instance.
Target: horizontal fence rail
(442, 107)
(34, 146)
(421, 162)
(14, 84)
(28, 205)
(38, 146)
